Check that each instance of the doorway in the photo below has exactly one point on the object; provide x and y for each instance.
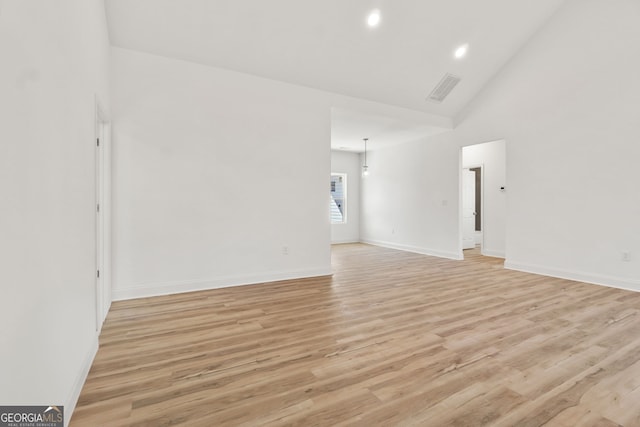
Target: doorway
(484, 198)
(472, 207)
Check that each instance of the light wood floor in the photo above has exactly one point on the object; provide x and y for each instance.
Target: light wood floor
(393, 338)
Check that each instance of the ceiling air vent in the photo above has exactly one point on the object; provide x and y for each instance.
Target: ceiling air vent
(446, 85)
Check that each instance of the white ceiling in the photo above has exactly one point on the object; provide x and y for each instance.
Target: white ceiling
(349, 127)
(327, 45)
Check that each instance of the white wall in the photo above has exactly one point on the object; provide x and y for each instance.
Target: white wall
(492, 157)
(53, 60)
(410, 197)
(572, 201)
(567, 106)
(215, 173)
(348, 163)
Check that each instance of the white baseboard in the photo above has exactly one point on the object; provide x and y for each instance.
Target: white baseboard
(415, 249)
(342, 242)
(144, 290)
(495, 254)
(596, 279)
(72, 400)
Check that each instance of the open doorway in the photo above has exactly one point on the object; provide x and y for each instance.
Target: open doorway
(472, 207)
(483, 178)
(345, 197)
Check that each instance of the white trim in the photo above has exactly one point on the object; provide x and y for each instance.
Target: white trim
(462, 197)
(596, 279)
(415, 249)
(482, 210)
(460, 217)
(98, 224)
(102, 227)
(72, 400)
(143, 290)
(344, 198)
(489, 252)
(344, 241)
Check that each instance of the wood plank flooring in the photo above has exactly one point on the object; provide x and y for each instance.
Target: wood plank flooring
(393, 338)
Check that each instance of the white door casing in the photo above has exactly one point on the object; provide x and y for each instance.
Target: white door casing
(468, 208)
(99, 225)
(102, 226)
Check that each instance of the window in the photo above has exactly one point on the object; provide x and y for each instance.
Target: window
(338, 198)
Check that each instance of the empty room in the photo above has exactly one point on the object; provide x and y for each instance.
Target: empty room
(364, 212)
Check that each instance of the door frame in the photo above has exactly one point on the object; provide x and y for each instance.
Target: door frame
(482, 211)
(501, 215)
(102, 188)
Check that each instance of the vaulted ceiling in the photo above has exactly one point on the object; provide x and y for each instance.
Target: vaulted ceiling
(328, 45)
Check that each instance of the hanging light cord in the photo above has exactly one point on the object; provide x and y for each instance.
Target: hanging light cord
(365, 151)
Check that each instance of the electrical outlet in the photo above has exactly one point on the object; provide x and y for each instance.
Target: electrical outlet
(626, 256)
(285, 250)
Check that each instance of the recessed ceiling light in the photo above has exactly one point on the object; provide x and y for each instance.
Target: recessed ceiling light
(461, 51)
(374, 18)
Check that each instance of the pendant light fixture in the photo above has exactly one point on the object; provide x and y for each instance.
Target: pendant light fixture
(365, 168)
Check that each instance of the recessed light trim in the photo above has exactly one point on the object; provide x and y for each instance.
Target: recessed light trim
(374, 18)
(461, 51)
